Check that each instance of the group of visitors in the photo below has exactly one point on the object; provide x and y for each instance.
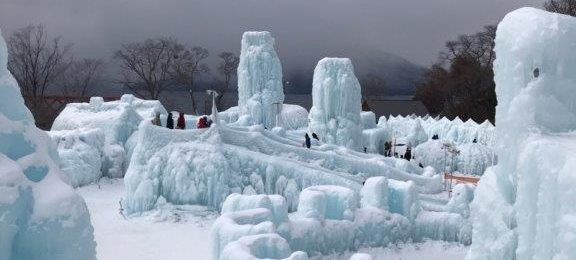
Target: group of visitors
(308, 141)
(203, 122)
(388, 151)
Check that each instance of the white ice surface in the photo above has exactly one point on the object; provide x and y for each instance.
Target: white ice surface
(170, 232)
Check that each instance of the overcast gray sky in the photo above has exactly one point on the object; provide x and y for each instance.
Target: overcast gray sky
(413, 29)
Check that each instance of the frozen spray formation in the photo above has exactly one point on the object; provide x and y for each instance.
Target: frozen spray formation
(336, 105)
(260, 91)
(41, 217)
(524, 206)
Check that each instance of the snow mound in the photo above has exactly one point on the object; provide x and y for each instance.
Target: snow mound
(523, 207)
(336, 106)
(260, 90)
(40, 216)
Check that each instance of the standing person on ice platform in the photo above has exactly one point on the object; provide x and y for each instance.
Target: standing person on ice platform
(307, 142)
(170, 121)
(181, 121)
(156, 120)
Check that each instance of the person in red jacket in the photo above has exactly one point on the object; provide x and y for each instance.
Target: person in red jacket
(181, 122)
(202, 123)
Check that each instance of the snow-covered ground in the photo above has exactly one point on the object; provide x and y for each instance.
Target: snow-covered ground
(171, 232)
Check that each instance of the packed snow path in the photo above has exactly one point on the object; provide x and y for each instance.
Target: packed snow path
(170, 232)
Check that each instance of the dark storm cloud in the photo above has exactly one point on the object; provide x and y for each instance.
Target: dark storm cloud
(414, 29)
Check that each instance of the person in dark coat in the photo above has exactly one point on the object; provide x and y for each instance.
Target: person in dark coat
(315, 136)
(181, 121)
(387, 148)
(170, 121)
(408, 154)
(307, 140)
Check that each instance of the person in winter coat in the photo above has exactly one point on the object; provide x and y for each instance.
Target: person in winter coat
(156, 120)
(170, 121)
(387, 148)
(202, 123)
(181, 122)
(408, 154)
(315, 136)
(307, 142)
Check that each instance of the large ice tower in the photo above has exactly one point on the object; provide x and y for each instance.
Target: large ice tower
(41, 217)
(336, 103)
(260, 91)
(524, 207)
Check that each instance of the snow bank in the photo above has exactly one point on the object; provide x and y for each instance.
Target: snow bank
(336, 105)
(523, 207)
(40, 216)
(260, 90)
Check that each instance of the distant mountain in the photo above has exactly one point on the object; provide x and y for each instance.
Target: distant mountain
(400, 75)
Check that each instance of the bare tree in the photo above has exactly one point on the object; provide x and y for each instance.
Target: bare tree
(462, 82)
(36, 61)
(82, 76)
(227, 68)
(567, 7)
(189, 65)
(147, 66)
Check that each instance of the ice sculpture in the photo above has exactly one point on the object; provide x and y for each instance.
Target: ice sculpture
(41, 217)
(260, 91)
(336, 105)
(524, 206)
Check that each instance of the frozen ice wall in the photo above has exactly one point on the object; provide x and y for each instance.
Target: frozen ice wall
(336, 105)
(524, 206)
(40, 216)
(260, 91)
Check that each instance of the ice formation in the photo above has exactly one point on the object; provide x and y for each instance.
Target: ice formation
(260, 90)
(336, 104)
(291, 116)
(524, 206)
(472, 159)
(116, 120)
(333, 219)
(40, 216)
(81, 154)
